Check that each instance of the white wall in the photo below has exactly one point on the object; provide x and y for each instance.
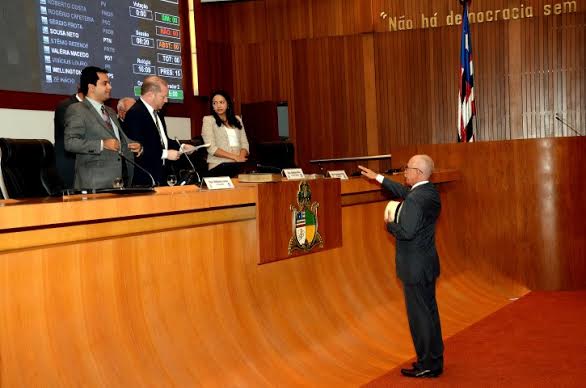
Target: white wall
(38, 124)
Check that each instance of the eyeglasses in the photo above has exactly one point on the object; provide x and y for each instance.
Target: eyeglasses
(405, 168)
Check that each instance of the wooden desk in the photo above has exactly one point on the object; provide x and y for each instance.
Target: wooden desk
(275, 209)
(165, 290)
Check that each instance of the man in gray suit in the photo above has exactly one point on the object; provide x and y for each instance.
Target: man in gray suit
(417, 260)
(94, 134)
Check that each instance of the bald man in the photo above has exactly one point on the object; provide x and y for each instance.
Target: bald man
(124, 104)
(417, 260)
(145, 122)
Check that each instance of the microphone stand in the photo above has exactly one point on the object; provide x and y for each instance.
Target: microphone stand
(139, 167)
(568, 125)
(273, 169)
(193, 169)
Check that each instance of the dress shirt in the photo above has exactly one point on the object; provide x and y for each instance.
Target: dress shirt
(159, 125)
(98, 107)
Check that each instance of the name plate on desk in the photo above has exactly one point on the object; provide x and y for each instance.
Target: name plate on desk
(218, 183)
(341, 174)
(293, 173)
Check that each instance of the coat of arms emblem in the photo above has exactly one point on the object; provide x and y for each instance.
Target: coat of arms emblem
(304, 222)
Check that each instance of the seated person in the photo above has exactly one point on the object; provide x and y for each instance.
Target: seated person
(224, 132)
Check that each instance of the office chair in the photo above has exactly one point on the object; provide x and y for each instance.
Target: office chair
(27, 169)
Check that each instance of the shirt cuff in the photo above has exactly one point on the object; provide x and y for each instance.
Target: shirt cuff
(101, 145)
(379, 178)
(165, 154)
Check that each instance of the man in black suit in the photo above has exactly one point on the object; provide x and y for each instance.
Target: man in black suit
(145, 124)
(64, 160)
(417, 260)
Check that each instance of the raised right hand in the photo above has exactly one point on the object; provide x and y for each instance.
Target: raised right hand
(367, 172)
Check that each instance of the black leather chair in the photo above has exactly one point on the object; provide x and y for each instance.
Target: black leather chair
(28, 169)
(274, 156)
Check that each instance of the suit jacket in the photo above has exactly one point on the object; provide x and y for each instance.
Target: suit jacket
(139, 125)
(218, 138)
(84, 130)
(416, 256)
(64, 161)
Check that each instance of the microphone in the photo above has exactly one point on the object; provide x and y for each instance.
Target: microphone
(193, 169)
(271, 169)
(558, 118)
(139, 167)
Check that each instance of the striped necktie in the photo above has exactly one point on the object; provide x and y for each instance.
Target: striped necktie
(106, 118)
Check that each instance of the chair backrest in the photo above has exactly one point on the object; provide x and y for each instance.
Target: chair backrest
(278, 154)
(28, 169)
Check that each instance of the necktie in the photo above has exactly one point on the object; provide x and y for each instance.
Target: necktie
(105, 117)
(108, 123)
(159, 129)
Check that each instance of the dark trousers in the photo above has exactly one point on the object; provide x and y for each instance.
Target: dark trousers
(424, 323)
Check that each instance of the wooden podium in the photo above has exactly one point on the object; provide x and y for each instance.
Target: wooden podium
(281, 228)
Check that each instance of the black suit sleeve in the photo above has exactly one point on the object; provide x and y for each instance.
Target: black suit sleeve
(410, 219)
(397, 189)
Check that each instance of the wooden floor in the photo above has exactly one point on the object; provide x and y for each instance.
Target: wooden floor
(190, 307)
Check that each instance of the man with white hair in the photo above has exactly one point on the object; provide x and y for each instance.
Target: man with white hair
(124, 105)
(417, 261)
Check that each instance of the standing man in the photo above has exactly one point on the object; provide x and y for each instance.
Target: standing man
(123, 106)
(64, 161)
(94, 134)
(417, 261)
(146, 125)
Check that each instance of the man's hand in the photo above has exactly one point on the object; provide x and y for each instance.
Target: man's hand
(367, 172)
(136, 148)
(187, 148)
(173, 154)
(111, 144)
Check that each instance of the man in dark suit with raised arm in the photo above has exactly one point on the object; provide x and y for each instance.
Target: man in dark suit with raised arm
(94, 134)
(417, 261)
(145, 124)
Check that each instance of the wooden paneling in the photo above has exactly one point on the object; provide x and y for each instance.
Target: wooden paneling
(46, 212)
(520, 210)
(275, 220)
(337, 64)
(190, 307)
(329, 74)
(356, 88)
(184, 303)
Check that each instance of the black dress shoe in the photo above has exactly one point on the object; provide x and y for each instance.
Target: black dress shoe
(415, 372)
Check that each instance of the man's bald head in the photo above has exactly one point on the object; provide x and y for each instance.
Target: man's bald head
(423, 163)
(154, 91)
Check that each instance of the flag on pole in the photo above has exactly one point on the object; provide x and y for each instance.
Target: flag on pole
(466, 107)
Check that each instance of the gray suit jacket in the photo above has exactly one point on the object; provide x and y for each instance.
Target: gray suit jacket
(84, 130)
(416, 258)
(217, 138)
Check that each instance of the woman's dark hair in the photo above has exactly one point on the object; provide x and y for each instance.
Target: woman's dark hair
(230, 116)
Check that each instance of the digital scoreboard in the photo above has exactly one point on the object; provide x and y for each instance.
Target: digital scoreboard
(130, 38)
